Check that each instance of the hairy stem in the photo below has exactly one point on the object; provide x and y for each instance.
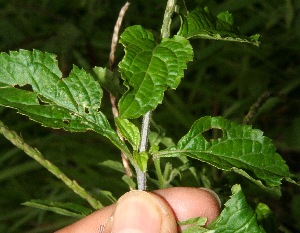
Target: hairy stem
(165, 33)
(19, 142)
(141, 176)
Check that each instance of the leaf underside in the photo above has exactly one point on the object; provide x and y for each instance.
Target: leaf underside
(149, 68)
(200, 23)
(32, 83)
(239, 148)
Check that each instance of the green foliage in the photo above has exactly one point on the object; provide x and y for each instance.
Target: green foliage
(237, 215)
(67, 209)
(129, 132)
(71, 103)
(149, 68)
(239, 147)
(225, 79)
(200, 23)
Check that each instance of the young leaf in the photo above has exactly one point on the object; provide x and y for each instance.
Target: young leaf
(239, 147)
(149, 68)
(68, 209)
(200, 23)
(141, 159)
(194, 225)
(109, 81)
(129, 131)
(32, 83)
(266, 217)
(237, 216)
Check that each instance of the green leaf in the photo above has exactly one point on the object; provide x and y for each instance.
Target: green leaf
(265, 217)
(240, 147)
(200, 23)
(141, 159)
(149, 68)
(109, 80)
(226, 17)
(237, 216)
(68, 209)
(32, 83)
(115, 165)
(195, 221)
(129, 181)
(129, 131)
(195, 225)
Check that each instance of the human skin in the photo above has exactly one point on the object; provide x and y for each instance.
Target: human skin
(150, 212)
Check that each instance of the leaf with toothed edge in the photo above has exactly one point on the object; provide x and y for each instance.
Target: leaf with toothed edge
(240, 149)
(149, 68)
(237, 216)
(200, 23)
(32, 83)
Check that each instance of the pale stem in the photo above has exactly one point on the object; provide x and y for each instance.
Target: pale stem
(141, 176)
(165, 33)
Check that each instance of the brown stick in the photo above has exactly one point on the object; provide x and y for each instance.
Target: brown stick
(114, 107)
(255, 107)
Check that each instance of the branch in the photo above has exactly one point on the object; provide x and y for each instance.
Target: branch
(115, 111)
(19, 142)
(255, 107)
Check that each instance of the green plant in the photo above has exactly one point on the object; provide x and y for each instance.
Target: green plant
(31, 82)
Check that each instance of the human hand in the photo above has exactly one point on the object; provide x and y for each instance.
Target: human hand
(150, 212)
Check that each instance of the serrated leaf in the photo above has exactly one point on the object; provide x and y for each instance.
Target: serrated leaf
(129, 131)
(68, 209)
(32, 83)
(237, 216)
(200, 23)
(150, 67)
(240, 147)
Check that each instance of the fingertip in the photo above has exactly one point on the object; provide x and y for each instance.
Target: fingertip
(140, 211)
(189, 202)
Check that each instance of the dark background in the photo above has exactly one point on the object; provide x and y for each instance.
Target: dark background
(224, 79)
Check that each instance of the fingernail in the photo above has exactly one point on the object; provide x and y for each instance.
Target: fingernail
(137, 212)
(214, 194)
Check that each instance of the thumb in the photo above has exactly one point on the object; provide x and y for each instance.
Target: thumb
(142, 212)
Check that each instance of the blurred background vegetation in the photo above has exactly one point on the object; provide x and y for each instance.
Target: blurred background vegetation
(224, 79)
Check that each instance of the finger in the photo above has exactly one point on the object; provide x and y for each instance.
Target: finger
(188, 202)
(94, 223)
(143, 212)
(184, 203)
(135, 211)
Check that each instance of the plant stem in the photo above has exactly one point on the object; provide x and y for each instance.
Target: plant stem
(165, 33)
(255, 107)
(141, 176)
(19, 142)
(170, 9)
(115, 110)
